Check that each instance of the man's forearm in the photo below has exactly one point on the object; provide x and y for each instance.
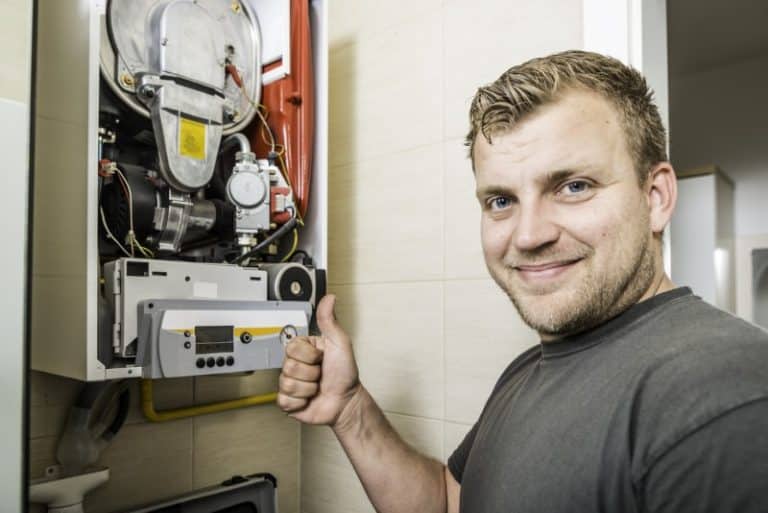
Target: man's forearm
(396, 477)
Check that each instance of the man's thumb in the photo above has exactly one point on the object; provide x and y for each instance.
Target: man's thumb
(326, 319)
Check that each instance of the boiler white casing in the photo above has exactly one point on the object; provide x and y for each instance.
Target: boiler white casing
(65, 260)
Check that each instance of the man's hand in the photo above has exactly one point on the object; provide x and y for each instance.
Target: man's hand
(320, 385)
(319, 376)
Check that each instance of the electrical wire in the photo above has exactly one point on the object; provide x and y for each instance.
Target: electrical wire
(269, 240)
(129, 197)
(110, 234)
(298, 252)
(293, 246)
(232, 70)
(296, 216)
(299, 219)
(132, 240)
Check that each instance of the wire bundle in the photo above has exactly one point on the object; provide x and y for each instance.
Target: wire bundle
(108, 169)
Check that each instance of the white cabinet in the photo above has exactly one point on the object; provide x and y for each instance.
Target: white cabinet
(702, 234)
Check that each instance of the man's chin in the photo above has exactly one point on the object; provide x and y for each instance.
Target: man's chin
(548, 292)
(544, 310)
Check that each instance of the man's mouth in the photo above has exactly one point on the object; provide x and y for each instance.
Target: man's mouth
(545, 271)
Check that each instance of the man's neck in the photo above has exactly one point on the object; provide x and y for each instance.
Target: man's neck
(660, 284)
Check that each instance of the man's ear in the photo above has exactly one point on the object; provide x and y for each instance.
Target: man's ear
(661, 190)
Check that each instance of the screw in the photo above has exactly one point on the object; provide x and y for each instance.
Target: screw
(147, 91)
(127, 80)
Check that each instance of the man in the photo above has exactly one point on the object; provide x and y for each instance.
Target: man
(640, 397)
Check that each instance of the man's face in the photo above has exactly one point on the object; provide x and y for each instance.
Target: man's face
(565, 222)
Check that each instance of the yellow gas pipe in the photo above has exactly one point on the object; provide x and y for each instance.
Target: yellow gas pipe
(148, 405)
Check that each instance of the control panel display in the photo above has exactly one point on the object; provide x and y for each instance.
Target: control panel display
(214, 339)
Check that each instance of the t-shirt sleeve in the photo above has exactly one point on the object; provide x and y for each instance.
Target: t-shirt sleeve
(458, 460)
(720, 467)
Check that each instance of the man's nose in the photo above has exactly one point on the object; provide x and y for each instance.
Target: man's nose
(534, 227)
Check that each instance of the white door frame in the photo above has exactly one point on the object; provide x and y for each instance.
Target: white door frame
(635, 32)
(14, 148)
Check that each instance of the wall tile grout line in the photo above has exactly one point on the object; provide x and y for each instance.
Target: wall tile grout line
(403, 282)
(383, 156)
(445, 230)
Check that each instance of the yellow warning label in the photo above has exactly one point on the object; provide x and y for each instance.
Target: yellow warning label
(254, 331)
(192, 139)
(259, 332)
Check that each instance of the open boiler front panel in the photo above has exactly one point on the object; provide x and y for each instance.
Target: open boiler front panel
(179, 185)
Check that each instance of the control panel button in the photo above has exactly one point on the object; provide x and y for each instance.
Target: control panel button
(220, 361)
(230, 361)
(200, 363)
(210, 362)
(246, 337)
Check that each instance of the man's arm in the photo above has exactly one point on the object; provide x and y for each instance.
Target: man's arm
(395, 476)
(320, 385)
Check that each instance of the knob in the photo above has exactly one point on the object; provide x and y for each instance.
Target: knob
(200, 363)
(246, 337)
(220, 361)
(230, 361)
(210, 362)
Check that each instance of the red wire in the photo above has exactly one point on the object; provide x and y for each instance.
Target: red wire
(232, 70)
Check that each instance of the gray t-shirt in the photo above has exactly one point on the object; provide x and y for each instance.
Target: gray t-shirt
(661, 409)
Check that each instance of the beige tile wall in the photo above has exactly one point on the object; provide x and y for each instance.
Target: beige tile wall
(15, 26)
(431, 331)
(153, 461)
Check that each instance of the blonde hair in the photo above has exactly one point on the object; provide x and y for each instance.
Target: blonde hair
(497, 107)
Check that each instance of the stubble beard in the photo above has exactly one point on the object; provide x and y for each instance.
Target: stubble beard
(598, 297)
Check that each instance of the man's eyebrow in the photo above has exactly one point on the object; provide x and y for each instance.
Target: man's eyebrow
(494, 190)
(558, 176)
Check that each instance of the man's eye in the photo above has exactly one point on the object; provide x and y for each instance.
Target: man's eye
(499, 203)
(576, 187)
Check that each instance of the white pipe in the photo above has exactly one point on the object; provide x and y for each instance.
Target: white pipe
(245, 145)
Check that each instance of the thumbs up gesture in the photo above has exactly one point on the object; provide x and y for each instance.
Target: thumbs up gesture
(319, 375)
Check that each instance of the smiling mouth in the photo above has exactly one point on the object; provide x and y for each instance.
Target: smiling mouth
(545, 271)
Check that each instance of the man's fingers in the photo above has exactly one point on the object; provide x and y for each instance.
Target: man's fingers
(297, 388)
(303, 350)
(290, 404)
(326, 319)
(301, 371)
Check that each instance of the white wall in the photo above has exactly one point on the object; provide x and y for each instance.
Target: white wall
(15, 61)
(720, 116)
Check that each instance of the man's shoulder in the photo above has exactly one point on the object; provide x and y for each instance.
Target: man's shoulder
(701, 363)
(691, 338)
(689, 348)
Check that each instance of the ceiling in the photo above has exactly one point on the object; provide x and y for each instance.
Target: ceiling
(705, 34)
